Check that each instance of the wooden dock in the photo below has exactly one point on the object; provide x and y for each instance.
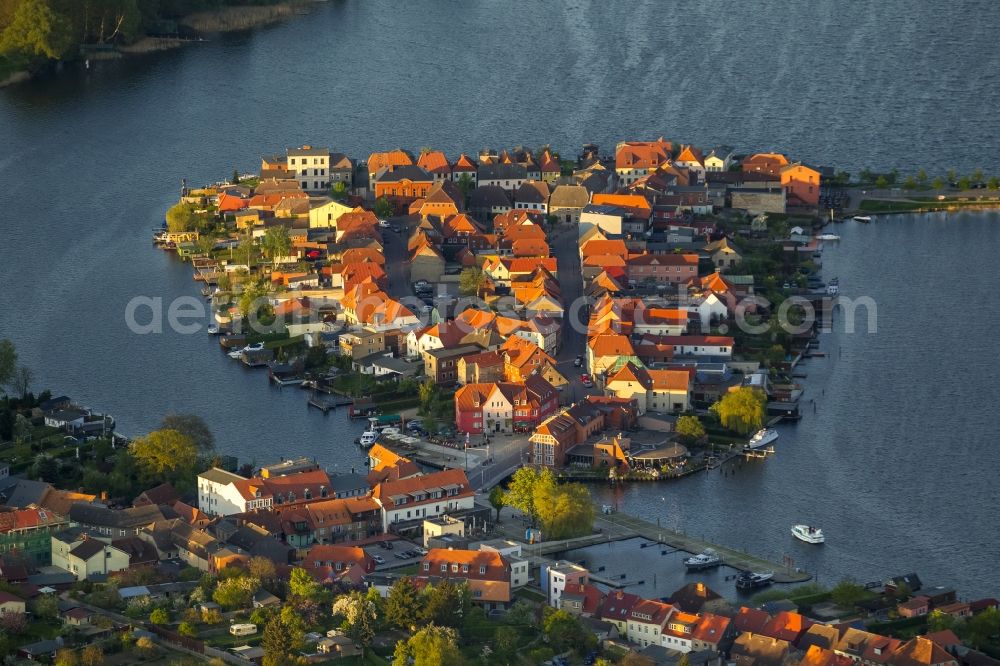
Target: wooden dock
(325, 404)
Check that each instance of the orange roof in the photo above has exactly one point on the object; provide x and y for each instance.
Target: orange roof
(229, 202)
(470, 564)
(472, 397)
(390, 158)
(711, 627)
(650, 612)
(610, 345)
(385, 491)
(689, 154)
(528, 265)
(328, 555)
(594, 248)
(464, 163)
(642, 154)
(434, 161)
(633, 202)
(920, 651)
(549, 164)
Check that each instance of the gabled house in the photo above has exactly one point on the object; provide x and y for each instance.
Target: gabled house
(634, 159)
(85, 555)
(406, 502)
(723, 254)
(486, 572)
(380, 162)
(435, 163)
(653, 390)
(328, 563)
(402, 185)
(647, 620)
(533, 195)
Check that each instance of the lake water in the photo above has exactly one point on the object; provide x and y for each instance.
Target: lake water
(898, 464)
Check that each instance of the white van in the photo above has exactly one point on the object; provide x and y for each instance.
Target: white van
(243, 629)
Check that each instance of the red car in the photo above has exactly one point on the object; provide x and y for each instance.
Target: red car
(313, 254)
(585, 379)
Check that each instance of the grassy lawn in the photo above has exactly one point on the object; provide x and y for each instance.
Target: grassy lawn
(530, 595)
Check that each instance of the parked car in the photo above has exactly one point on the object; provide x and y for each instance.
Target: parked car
(578, 361)
(384, 224)
(378, 559)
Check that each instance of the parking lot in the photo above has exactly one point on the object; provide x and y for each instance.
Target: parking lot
(390, 554)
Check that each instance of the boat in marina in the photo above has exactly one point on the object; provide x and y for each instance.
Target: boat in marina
(864, 219)
(833, 287)
(705, 560)
(749, 580)
(761, 439)
(808, 534)
(828, 237)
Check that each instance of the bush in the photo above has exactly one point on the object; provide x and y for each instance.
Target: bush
(186, 629)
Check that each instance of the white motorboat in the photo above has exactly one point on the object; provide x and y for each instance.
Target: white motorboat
(705, 560)
(368, 438)
(761, 438)
(751, 581)
(808, 534)
(213, 330)
(828, 237)
(863, 218)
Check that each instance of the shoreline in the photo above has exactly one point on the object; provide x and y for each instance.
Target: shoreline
(223, 20)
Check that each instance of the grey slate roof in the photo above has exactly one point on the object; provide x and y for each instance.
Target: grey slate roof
(93, 514)
(410, 171)
(502, 172)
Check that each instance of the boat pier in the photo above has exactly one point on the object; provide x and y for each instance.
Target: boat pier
(325, 404)
(620, 526)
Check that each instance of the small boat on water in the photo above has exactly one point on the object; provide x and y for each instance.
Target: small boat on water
(761, 438)
(749, 580)
(808, 534)
(368, 438)
(833, 287)
(828, 237)
(705, 560)
(864, 219)
(213, 330)
(237, 353)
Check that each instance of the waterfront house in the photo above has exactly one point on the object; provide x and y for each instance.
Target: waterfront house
(558, 576)
(751, 649)
(435, 163)
(634, 159)
(690, 158)
(914, 607)
(715, 346)
(770, 164)
(311, 167)
(222, 493)
(646, 621)
(465, 166)
(406, 502)
(801, 184)
(719, 159)
(582, 600)
(697, 598)
(380, 162)
(653, 390)
(504, 406)
(486, 573)
(616, 608)
(549, 167)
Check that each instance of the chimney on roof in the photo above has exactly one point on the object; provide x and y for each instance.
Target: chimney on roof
(700, 587)
(306, 147)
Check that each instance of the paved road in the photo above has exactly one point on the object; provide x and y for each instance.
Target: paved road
(396, 257)
(576, 313)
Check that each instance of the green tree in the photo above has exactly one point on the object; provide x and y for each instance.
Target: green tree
(8, 362)
(245, 251)
(159, 616)
(383, 209)
(66, 657)
(690, 428)
(994, 183)
(47, 607)
(427, 392)
(881, 182)
(505, 642)
(521, 491)
(564, 631)
(37, 29)
(983, 628)
(965, 183)
(465, 185)
(922, 179)
(236, 592)
(166, 455)
(938, 183)
(338, 191)
(403, 606)
(565, 511)
(360, 616)
(431, 646)
(847, 594)
(181, 217)
(910, 183)
(261, 568)
(445, 604)
(276, 642)
(938, 621)
(276, 243)
(92, 655)
(472, 281)
(497, 500)
(186, 629)
(742, 410)
(302, 584)
(193, 427)
(294, 624)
